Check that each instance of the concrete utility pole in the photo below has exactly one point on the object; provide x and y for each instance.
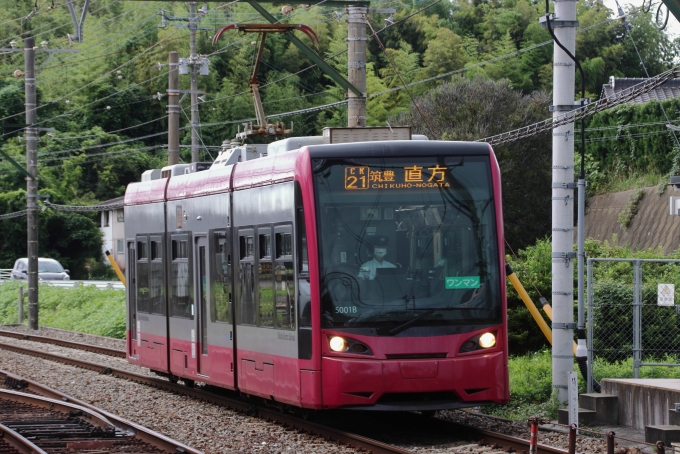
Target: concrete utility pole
(193, 58)
(173, 109)
(564, 25)
(31, 183)
(356, 65)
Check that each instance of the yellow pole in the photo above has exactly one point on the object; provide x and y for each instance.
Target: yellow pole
(115, 268)
(547, 308)
(529, 304)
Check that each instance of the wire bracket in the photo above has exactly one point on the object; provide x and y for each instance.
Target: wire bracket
(557, 23)
(566, 256)
(559, 325)
(569, 185)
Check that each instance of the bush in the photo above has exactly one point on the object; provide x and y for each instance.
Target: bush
(613, 292)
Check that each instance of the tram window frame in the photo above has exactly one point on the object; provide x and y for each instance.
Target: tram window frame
(304, 303)
(220, 278)
(265, 273)
(156, 263)
(285, 261)
(180, 253)
(142, 270)
(247, 298)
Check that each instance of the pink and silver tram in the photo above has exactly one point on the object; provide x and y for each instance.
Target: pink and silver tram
(265, 276)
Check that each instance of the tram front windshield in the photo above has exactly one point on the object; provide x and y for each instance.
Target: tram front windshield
(407, 243)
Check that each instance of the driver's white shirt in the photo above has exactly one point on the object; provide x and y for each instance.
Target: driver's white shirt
(367, 270)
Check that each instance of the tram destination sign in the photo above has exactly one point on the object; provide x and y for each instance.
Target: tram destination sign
(359, 178)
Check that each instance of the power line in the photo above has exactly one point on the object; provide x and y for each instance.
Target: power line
(588, 110)
(90, 83)
(16, 214)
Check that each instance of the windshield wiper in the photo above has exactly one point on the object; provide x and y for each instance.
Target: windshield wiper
(405, 325)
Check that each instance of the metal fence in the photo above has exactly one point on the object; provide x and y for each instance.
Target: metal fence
(5, 274)
(625, 320)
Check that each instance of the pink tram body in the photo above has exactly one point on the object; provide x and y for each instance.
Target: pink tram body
(265, 276)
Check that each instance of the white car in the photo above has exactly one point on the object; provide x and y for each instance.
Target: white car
(48, 270)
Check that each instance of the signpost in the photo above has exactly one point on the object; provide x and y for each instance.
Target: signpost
(572, 397)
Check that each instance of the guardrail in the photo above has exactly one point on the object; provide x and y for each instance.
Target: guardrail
(5, 274)
(99, 284)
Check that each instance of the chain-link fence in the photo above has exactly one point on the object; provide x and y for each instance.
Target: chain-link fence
(625, 318)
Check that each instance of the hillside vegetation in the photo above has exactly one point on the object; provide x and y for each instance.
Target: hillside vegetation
(478, 68)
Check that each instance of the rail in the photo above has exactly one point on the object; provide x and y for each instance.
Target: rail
(354, 440)
(5, 274)
(45, 433)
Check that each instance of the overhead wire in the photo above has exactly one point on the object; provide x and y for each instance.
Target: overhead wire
(330, 105)
(426, 119)
(90, 83)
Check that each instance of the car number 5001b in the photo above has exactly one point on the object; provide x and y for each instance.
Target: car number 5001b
(346, 310)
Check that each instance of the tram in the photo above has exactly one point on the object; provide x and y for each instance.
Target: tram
(319, 275)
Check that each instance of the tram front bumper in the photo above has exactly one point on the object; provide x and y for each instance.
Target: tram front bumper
(414, 384)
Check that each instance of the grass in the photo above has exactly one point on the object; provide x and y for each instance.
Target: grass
(102, 312)
(618, 184)
(85, 309)
(530, 389)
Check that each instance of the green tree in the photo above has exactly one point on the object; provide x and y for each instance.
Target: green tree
(471, 110)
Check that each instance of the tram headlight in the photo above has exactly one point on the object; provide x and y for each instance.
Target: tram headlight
(338, 344)
(487, 340)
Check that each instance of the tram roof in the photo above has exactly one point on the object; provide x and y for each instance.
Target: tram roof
(282, 167)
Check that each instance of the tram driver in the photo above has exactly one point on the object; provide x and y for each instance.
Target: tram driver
(368, 269)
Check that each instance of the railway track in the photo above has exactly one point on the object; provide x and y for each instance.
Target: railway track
(496, 442)
(64, 343)
(32, 423)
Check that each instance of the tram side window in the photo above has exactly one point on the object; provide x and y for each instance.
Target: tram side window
(156, 300)
(181, 300)
(284, 283)
(265, 281)
(246, 310)
(143, 274)
(221, 284)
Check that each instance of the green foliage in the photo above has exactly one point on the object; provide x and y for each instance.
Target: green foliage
(530, 388)
(623, 152)
(110, 126)
(612, 291)
(468, 109)
(84, 309)
(630, 209)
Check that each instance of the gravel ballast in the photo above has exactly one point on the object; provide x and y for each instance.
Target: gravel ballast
(214, 429)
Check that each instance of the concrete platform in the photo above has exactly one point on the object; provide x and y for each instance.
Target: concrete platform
(643, 402)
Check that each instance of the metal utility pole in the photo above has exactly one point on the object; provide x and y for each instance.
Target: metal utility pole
(173, 109)
(356, 65)
(564, 25)
(193, 58)
(78, 25)
(31, 183)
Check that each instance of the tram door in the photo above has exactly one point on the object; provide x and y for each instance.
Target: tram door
(183, 314)
(202, 298)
